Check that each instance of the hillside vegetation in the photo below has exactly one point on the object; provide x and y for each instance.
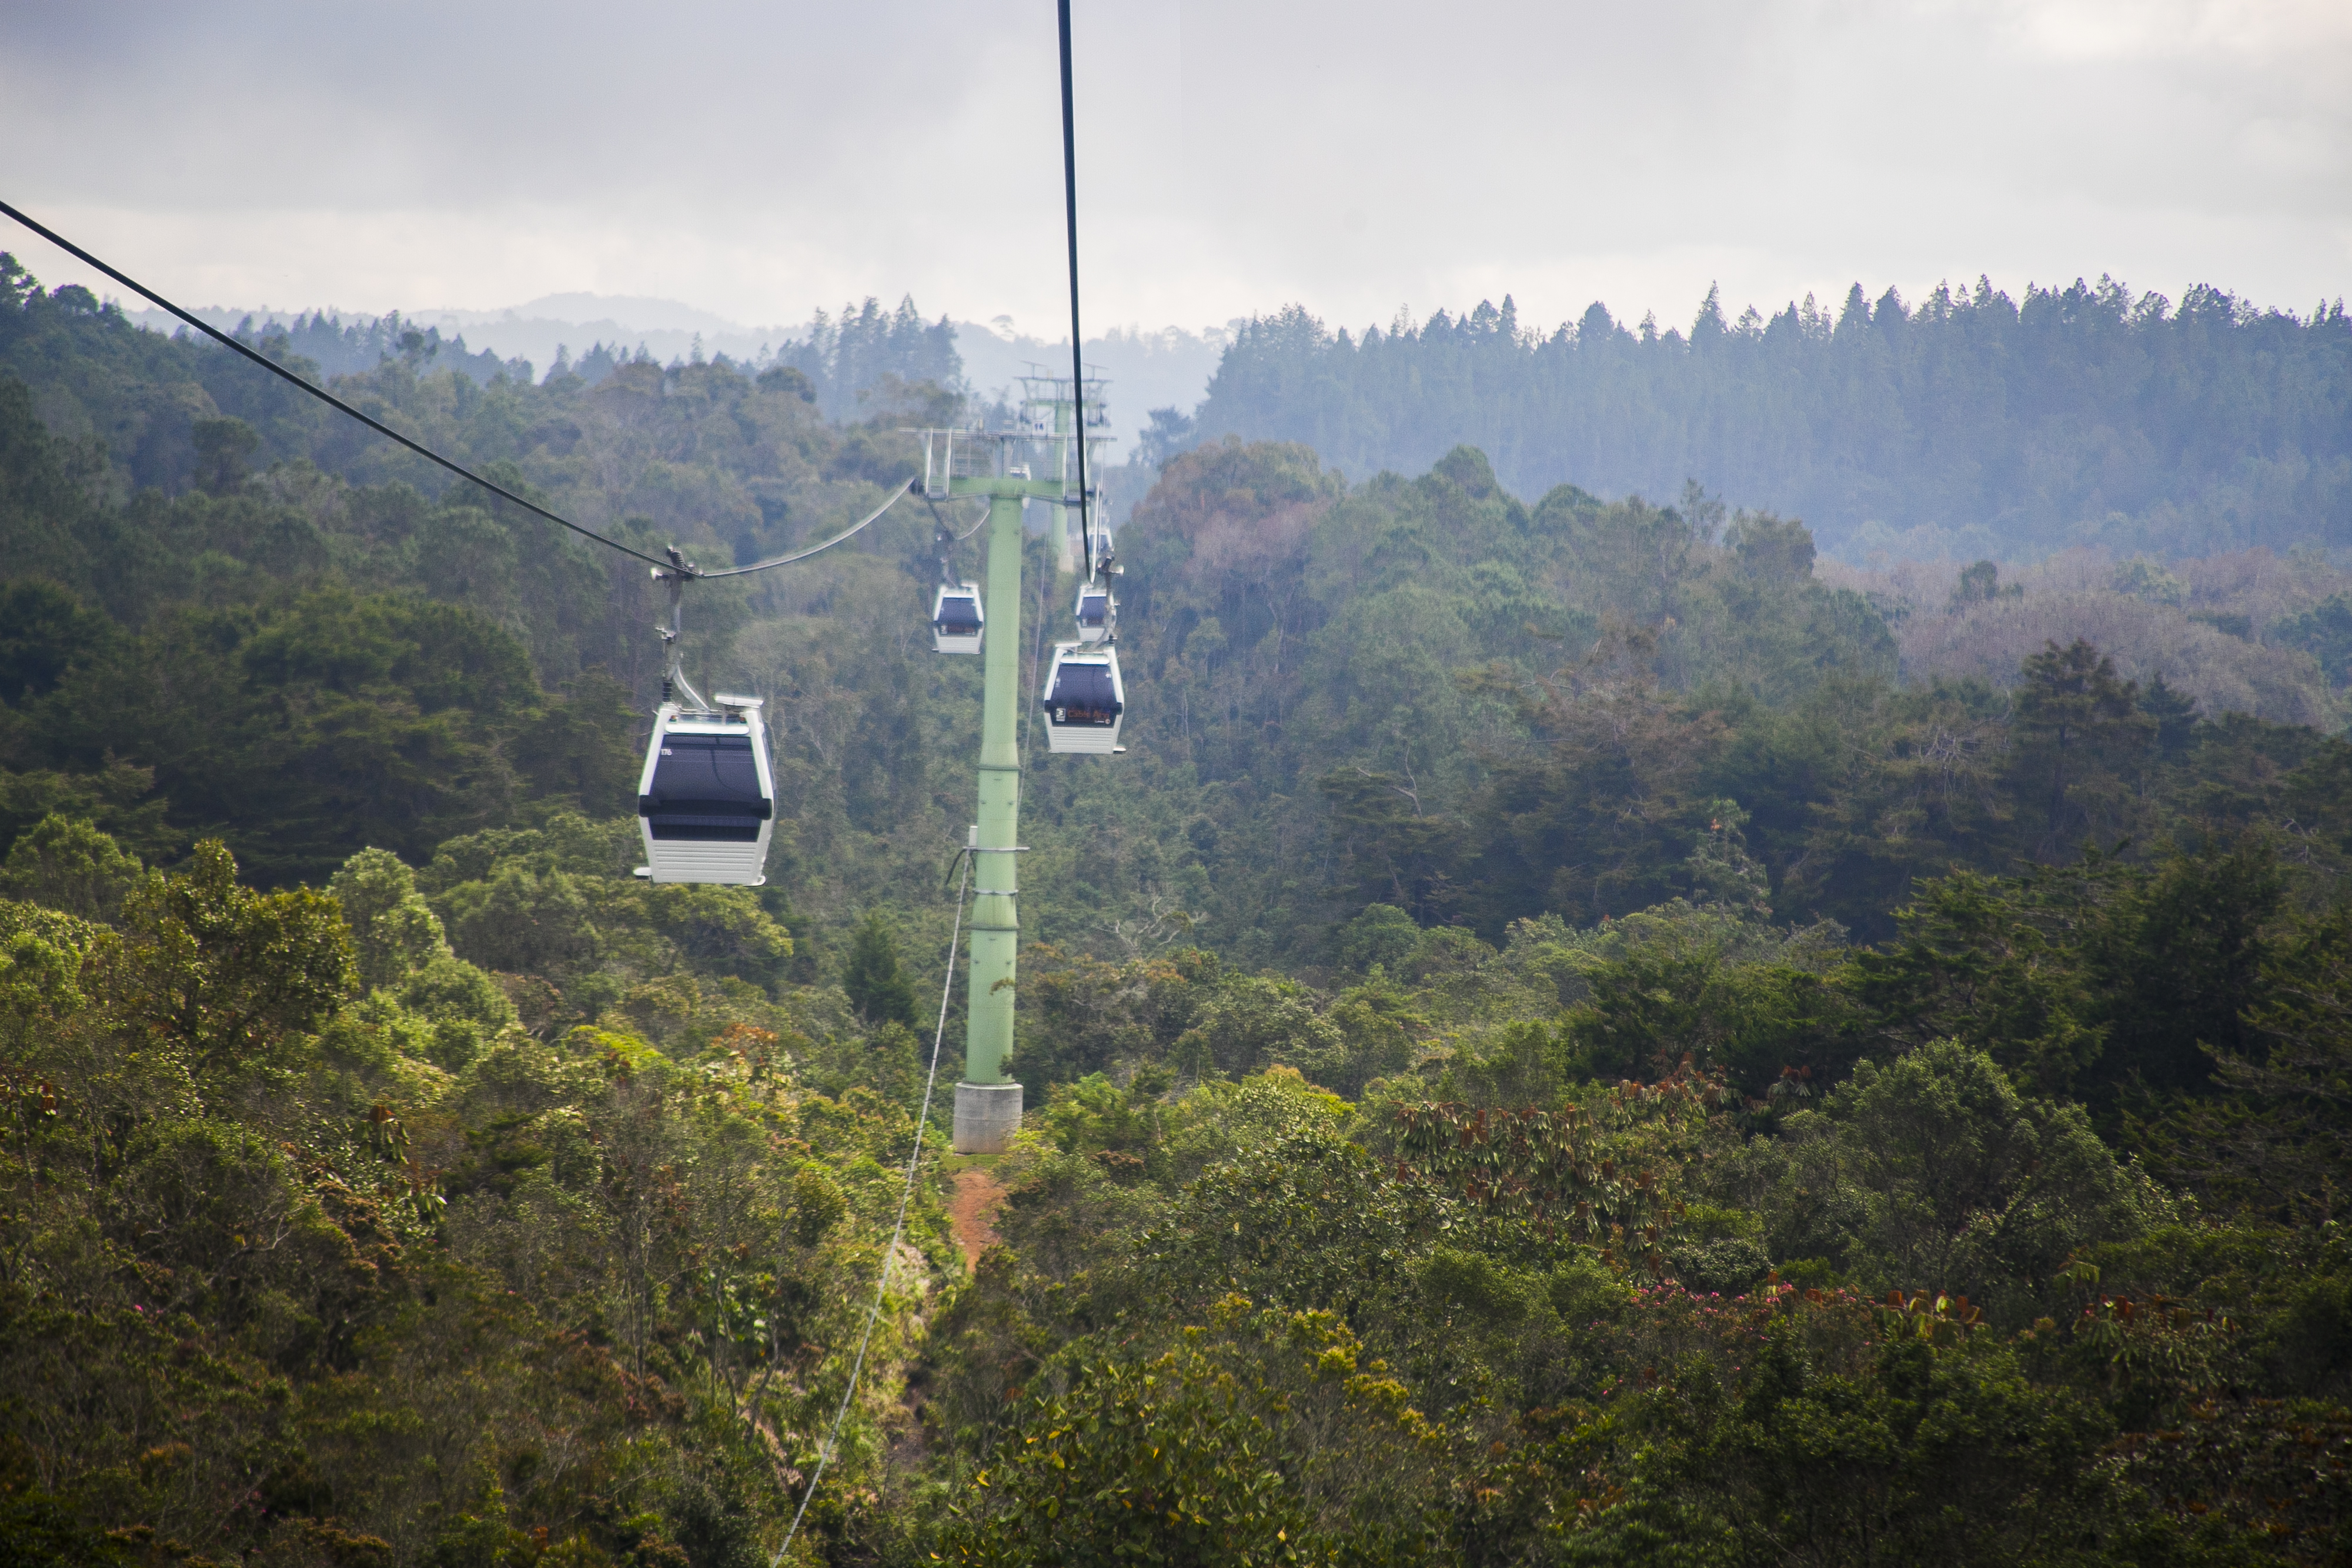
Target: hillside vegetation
(1578, 1033)
(1969, 422)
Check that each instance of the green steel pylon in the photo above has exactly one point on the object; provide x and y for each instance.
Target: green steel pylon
(988, 1104)
(987, 1101)
(1057, 397)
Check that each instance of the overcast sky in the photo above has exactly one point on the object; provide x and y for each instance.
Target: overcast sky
(757, 159)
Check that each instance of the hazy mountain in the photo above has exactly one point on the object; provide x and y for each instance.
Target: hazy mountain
(1148, 368)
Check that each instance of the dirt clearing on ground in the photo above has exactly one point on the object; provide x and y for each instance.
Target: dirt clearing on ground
(972, 1210)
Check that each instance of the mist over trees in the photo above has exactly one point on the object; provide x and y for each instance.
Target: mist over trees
(340, 348)
(1967, 423)
(849, 356)
(845, 357)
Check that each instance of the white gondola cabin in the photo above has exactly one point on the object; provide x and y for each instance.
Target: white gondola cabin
(707, 801)
(957, 619)
(1084, 699)
(1094, 614)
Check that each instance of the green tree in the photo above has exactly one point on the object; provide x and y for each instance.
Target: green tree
(2175, 958)
(2277, 1135)
(1383, 934)
(65, 863)
(1248, 1023)
(1993, 963)
(1918, 1456)
(1598, 823)
(41, 953)
(394, 933)
(520, 920)
(38, 1531)
(2325, 632)
(872, 977)
(1172, 1461)
(1932, 1172)
(46, 631)
(1772, 548)
(1826, 408)
(117, 798)
(311, 727)
(1265, 1437)
(1979, 582)
(2080, 736)
(227, 974)
(223, 449)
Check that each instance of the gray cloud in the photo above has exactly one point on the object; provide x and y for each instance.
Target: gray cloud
(757, 160)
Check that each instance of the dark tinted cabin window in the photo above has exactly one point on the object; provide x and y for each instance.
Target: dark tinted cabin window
(705, 787)
(1082, 694)
(960, 617)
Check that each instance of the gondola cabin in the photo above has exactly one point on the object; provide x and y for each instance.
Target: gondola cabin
(1084, 699)
(957, 619)
(1094, 610)
(707, 801)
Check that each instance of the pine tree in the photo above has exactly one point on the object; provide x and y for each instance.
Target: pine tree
(873, 977)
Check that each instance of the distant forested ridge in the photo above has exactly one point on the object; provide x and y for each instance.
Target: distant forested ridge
(342, 346)
(846, 358)
(1968, 424)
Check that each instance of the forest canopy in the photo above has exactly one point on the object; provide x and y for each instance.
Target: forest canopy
(1581, 1030)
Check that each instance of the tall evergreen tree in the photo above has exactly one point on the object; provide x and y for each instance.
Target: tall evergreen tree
(873, 977)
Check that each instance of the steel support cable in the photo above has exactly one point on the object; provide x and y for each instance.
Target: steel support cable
(1078, 343)
(898, 1230)
(813, 550)
(330, 399)
(459, 469)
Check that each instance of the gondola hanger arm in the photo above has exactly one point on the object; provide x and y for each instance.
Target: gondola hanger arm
(813, 550)
(946, 529)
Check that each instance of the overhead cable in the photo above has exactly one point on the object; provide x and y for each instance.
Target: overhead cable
(275, 369)
(1077, 353)
(332, 401)
(813, 550)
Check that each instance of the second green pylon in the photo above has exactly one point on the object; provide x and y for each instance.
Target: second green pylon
(988, 1104)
